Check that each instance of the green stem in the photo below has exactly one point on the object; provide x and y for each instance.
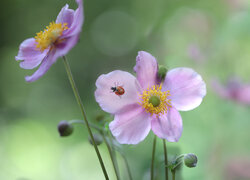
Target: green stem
(82, 122)
(111, 156)
(173, 174)
(166, 158)
(78, 99)
(114, 152)
(179, 163)
(127, 165)
(153, 158)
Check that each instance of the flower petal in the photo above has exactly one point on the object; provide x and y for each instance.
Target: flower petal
(107, 99)
(131, 126)
(31, 57)
(44, 67)
(66, 45)
(76, 25)
(243, 95)
(186, 87)
(146, 69)
(66, 15)
(168, 126)
(219, 89)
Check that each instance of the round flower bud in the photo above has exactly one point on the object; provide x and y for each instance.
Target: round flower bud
(190, 160)
(100, 117)
(162, 71)
(98, 139)
(65, 128)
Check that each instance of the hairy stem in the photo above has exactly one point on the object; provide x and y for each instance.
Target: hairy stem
(153, 158)
(78, 99)
(127, 165)
(173, 174)
(166, 158)
(111, 156)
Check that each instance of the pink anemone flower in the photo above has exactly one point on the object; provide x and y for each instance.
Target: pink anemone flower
(142, 103)
(55, 41)
(234, 90)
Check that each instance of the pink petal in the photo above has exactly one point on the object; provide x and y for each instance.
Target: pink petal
(131, 126)
(243, 95)
(219, 89)
(76, 25)
(29, 55)
(107, 99)
(168, 126)
(186, 87)
(66, 45)
(44, 67)
(66, 15)
(146, 69)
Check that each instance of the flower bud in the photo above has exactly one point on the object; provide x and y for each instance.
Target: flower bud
(190, 160)
(162, 71)
(100, 117)
(65, 128)
(98, 139)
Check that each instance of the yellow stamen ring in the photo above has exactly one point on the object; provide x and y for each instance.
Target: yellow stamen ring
(155, 101)
(50, 35)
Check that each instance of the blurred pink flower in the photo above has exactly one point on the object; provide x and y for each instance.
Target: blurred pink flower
(142, 103)
(238, 168)
(237, 4)
(55, 41)
(194, 53)
(233, 90)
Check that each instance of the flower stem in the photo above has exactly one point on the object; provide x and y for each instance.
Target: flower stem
(78, 99)
(114, 152)
(166, 158)
(111, 156)
(82, 122)
(153, 158)
(127, 165)
(173, 174)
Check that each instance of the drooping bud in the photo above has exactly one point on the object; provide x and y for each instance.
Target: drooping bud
(162, 71)
(190, 160)
(100, 117)
(65, 128)
(98, 139)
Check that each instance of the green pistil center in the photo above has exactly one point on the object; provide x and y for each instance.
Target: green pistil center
(154, 100)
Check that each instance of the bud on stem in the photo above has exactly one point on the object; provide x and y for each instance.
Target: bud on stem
(162, 71)
(98, 139)
(65, 128)
(190, 160)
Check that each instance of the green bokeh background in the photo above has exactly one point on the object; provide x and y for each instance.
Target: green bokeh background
(113, 32)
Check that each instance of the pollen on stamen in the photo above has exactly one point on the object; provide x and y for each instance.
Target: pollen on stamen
(50, 35)
(159, 108)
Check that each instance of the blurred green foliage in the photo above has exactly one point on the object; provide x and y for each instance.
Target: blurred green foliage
(113, 32)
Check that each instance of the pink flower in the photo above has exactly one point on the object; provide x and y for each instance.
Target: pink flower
(238, 168)
(195, 53)
(55, 41)
(234, 90)
(142, 103)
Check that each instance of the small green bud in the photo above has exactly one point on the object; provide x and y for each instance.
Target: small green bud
(65, 128)
(162, 71)
(99, 117)
(190, 160)
(98, 139)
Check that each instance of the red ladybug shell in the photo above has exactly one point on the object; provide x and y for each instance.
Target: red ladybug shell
(119, 91)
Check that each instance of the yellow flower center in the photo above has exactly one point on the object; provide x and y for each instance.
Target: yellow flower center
(155, 101)
(50, 35)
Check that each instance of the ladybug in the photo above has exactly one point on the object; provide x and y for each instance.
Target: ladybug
(119, 90)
